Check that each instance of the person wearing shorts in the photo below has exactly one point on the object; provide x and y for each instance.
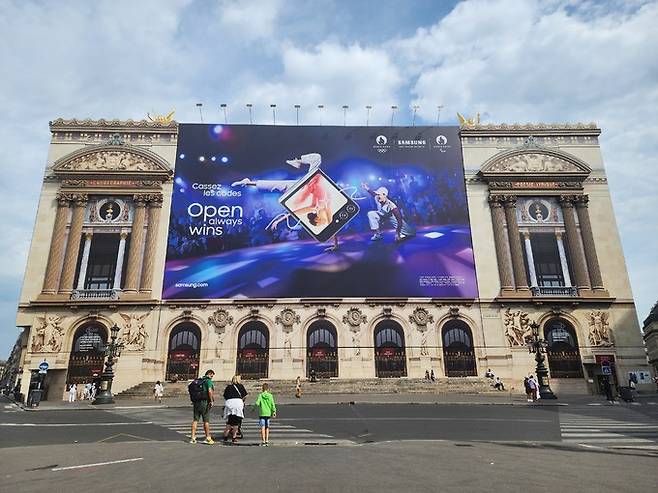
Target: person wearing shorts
(266, 410)
(201, 409)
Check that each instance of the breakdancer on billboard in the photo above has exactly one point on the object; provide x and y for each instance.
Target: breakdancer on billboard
(313, 160)
(387, 210)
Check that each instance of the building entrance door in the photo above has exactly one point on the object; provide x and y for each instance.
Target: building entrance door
(184, 351)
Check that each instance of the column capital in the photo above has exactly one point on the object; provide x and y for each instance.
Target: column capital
(526, 234)
(509, 201)
(63, 199)
(559, 234)
(496, 200)
(88, 234)
(153, 199)
(567, 200)
(124, 235)
(581, 201)
(140, 199)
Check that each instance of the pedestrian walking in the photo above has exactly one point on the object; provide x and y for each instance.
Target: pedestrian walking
(607, 388)
(86, 391)
(432, 375)
(427, 374)
(266, 411)
(528, 390)
(202, 396)
(158, 391)
(234, 397)
(73, 392)
(298, 387)
(532, 383)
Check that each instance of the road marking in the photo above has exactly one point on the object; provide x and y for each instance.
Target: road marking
(54, 425)
(96, 464)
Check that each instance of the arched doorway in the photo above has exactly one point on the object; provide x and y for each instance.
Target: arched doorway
(563, 354)
(322, 349)
(87, 354)
(390, 356)
(458, 351)
(184, 352)
(253, 350)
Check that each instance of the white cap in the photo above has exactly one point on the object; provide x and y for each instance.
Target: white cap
(382, 191)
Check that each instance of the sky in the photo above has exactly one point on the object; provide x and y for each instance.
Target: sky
(511, 60)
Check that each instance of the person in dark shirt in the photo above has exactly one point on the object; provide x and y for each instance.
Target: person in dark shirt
(234, 397)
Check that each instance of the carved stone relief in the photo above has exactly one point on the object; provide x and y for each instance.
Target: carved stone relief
(517, 327)
(533, 163)
(134, 333)
(354, 318)
(220, 319)
(115, 160)
(49, 335)
(287, 318)
(599, 329)
(421, 317)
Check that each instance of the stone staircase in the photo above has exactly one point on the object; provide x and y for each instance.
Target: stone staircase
(453, 385)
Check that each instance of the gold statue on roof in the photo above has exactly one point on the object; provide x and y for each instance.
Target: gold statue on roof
(168, 118)
(468, 122)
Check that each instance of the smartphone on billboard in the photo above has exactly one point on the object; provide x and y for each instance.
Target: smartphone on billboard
(319, 205)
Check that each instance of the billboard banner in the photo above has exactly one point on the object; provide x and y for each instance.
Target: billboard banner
(313, 212)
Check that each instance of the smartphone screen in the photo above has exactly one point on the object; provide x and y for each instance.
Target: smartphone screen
(321, 207)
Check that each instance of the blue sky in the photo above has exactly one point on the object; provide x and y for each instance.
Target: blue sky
(511, 60)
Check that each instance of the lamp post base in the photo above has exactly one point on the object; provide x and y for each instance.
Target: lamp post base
(104, 397)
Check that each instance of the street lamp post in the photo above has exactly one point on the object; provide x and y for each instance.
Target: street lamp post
(539, 346)
(112, 351)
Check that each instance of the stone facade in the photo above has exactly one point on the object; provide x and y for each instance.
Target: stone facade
(114, 178)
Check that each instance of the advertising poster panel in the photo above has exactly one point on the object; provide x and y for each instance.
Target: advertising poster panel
(312, 212)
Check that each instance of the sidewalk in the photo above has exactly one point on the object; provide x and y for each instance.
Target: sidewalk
(504, 398)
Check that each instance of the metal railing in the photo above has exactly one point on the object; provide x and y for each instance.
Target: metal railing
(95, 294)
(554, 291)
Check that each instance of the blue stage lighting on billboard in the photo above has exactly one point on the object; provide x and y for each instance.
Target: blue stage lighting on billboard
(217, 129)
(224, 159)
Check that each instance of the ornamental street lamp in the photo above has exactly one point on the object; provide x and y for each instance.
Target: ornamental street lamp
(539, 346)
(112, 351)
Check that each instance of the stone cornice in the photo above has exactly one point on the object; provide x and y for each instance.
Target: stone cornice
(519, 129)
(103, 125)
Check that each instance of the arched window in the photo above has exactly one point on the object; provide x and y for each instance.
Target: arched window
(322, 349)
(458, 351)
(253, 350)
(390, 355)
(184, 352)
(87, 353)
(563, 353)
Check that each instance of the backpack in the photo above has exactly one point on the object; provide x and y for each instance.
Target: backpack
(197, 390)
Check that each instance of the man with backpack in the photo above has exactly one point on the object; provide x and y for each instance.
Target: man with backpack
(202, 397)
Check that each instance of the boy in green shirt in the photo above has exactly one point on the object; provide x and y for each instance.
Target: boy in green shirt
(266, 410)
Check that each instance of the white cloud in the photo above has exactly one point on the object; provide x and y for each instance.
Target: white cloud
(520, 61)
(332, 75)
(249, 19)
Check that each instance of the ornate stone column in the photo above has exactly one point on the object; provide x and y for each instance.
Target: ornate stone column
(563, 259)
(73, 244)
(136, 244)
(155, 205)
(588, 242)
(531, 259)
(118, 270)
(520, 278)
(85, 261)
(56, 255)
(501, 243)
(575, 251)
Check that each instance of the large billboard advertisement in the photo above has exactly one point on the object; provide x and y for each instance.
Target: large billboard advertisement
(314, 212)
